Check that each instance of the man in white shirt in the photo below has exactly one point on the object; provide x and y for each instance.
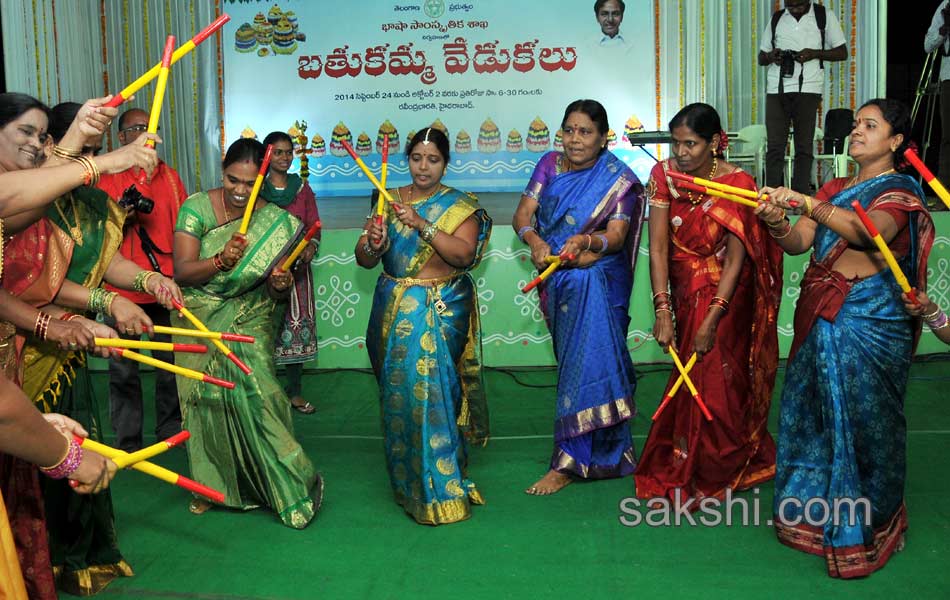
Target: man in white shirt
(609, 15)
(937, 38)
(795, 46)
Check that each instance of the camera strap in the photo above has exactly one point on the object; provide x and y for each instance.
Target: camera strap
(149, 248)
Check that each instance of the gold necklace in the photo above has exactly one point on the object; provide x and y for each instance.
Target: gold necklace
(421, 200)
(712, 175)
(224, 205)
(74, 231)
(854, 180)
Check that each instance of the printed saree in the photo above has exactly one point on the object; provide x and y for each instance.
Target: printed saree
(734, 450)
(424, 342)
(297, 339)
(842, 433)
(586, 310)
(242, 440)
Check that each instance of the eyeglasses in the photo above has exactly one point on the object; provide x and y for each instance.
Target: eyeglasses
(281, 152)
(137, 129)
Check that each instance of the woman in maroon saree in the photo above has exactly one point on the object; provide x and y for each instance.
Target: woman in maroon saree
(725, 280)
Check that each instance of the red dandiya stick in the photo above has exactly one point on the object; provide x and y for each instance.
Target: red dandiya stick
(123, 462)
(217, 343)
(258, 182)
(217, 335)
(555, 262)
(152, 73)
(301, 245)
(153, 470)
(885, 251)
(177, 370)
(928, 176)
(675, 387)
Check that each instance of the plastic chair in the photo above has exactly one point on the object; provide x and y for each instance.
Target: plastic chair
(747, 146)
(835, 137)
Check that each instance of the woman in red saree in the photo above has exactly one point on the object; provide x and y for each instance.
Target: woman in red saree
(725, 280)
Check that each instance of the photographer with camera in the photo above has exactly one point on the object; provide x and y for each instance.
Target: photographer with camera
(152, 204)
(795, 46)
(936, 37)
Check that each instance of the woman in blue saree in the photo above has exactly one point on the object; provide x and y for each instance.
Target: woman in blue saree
(588, 204)
(839, 484)
(424, 336)
(242, 440)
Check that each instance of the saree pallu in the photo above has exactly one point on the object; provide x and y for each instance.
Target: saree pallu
(424, 342)
(586, 311)
(842, 432)
(735, 378)
(82, 537)
(242, 440)
(297, 340)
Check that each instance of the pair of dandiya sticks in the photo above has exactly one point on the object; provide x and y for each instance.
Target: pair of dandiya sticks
(752, 198)
(139, 461)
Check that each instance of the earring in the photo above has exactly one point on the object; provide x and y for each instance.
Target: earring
(444, 171)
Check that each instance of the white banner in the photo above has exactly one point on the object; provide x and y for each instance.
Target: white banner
(496, 75)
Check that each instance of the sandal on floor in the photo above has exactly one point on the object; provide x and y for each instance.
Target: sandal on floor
(305, 408)
(199, 506)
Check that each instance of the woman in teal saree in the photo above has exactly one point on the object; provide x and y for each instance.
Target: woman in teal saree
(424, 337)
(841, 463)
(242, 440)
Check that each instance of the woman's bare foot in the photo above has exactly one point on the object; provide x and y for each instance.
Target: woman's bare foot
(199, 506)
(549, 484)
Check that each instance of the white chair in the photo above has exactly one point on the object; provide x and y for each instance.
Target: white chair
(747, 146)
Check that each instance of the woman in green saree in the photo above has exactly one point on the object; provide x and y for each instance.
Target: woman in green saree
(242, 440)
(424, 337)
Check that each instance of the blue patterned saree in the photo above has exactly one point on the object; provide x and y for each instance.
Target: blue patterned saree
(842, 432)
(424, 342)
(586, 310)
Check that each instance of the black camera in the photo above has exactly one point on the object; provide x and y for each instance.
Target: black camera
(132, 199)
(787, 66)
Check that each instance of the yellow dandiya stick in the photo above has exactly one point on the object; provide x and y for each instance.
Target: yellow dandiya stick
(301, 245)
(717, 193)
(367, 172)
(885, 251)
(153, 116)
(258, 182)
(689, 384)
(217, 342)
(154, 470)
(209, 335)
(722, 187)
(152, 73)
(675, 387)
(123, 462)
(150, 345)
(177, 370)
(383, 171)
(554, 262)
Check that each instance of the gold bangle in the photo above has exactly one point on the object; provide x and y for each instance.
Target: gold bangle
(67, 153)
(60, 461)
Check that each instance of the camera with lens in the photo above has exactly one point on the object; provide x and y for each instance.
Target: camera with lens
(787, 66)
(132, 199)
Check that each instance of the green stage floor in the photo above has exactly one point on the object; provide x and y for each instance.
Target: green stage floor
(570, 545)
